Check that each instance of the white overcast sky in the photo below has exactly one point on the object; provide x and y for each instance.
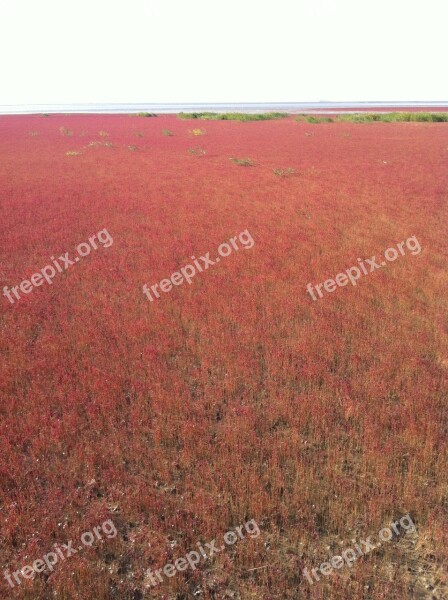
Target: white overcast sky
(60, 51)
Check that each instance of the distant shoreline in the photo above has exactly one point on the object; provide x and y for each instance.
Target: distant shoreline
(289, 107)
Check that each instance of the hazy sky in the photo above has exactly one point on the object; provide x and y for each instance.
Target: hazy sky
(60, 51)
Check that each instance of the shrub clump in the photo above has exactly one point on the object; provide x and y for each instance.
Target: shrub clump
(197, 151)
(284, 172)
(65, 131)
(243, 162)
(198, 132)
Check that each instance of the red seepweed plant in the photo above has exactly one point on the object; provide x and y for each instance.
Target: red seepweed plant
(236, 397)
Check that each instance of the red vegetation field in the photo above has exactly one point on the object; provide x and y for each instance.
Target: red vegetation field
(236, 397)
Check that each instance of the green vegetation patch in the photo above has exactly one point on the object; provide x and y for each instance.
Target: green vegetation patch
(313, 119)
(395, 117)
(211, 116)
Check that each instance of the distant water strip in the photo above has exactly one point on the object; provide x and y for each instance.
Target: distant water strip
(289, 107)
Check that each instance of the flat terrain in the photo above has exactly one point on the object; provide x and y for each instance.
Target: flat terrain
(237, 397)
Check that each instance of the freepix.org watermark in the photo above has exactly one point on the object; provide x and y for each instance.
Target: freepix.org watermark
(194, 557)
(187, 272)
(48, 561)
(365, 267)
(49, 271)
(350, 556)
